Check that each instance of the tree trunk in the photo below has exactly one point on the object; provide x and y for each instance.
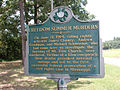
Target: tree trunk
(26, 12)
(36, 21)
(22, 30)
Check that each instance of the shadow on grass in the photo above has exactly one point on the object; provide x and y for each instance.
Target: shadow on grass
(77, 84)
(12, 78)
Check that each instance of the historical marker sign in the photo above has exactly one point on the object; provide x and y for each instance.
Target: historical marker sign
(64, 46)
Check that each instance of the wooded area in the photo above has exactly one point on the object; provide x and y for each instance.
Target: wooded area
(112, 44)
(15, 15)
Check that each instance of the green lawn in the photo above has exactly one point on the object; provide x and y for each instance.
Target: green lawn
(12, 78)
(111, 81)
(115, 53)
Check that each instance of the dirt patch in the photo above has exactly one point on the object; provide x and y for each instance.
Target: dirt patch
(12, 77)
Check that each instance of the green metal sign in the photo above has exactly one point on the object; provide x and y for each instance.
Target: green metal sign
(63, 45)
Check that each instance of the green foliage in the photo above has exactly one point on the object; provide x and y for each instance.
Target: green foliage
(44, 9)
(112, 44)
(10, 47)
(10, 40)
(10, 33)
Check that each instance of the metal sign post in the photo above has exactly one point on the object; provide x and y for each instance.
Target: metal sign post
(61, 83)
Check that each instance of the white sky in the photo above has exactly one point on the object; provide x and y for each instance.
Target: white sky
(108, 13)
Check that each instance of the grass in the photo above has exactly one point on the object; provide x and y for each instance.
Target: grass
(111, 81)
(12, 78)
(114, 53)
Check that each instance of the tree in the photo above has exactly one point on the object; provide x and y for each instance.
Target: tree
(22, 23)
(112, 44)
(11, 29)
(39, 10)
(10, 46)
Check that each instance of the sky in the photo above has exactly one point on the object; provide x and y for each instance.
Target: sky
(108, 13)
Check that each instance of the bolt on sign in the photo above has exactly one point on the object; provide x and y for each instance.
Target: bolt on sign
(64, 46)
